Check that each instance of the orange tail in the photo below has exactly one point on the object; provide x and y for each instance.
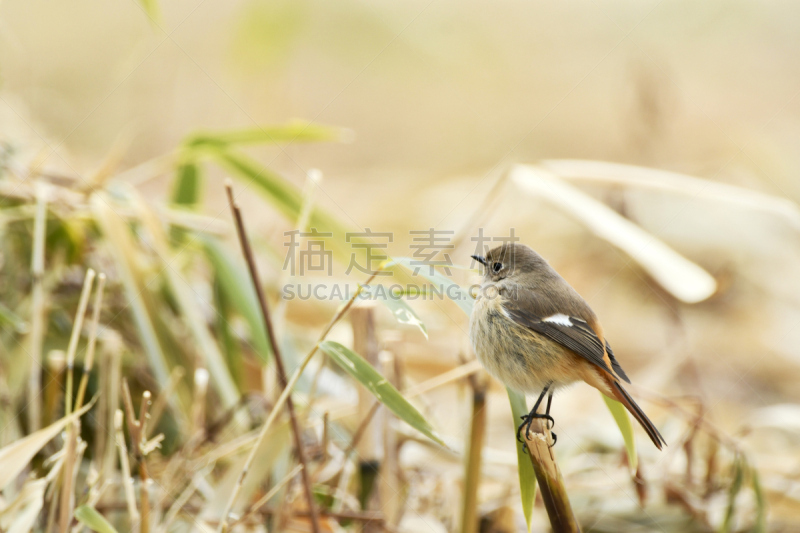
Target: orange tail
(625, 399)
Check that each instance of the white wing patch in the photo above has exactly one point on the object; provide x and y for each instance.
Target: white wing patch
(560, 319)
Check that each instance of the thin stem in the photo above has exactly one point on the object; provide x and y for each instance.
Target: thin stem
(76, 335)
(262, 301)
(67, 478)
(113, 377)
(38, 312)
(125, 465)
(89, 360)
(144, 477)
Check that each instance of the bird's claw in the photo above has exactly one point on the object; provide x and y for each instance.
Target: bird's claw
(527, 420)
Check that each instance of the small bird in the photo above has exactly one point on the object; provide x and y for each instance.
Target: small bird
(531, 330)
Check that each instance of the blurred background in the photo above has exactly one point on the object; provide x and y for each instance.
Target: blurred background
(432, 105)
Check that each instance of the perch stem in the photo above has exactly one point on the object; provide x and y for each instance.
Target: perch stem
(551, 485)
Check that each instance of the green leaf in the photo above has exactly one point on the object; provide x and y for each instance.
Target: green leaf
(384, 392)
(187, 189)
(294, 131)
(186, 194)
(89, 517)
(626, 428)
(527, 477)
(441, 283)
(235, 282)
(399, 308)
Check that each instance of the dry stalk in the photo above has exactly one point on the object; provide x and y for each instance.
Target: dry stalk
(472, 467)
(65, 517)
(38, 309)
(113, 377)
(127, 480)
(389, 482)
(76, 335)
(140, 455)
(88, 362)
(370, 445)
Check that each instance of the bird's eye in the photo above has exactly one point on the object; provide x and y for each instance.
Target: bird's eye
(496, 267)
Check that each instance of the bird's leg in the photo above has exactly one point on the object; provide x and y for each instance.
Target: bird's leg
(553, 423)
(528, 419)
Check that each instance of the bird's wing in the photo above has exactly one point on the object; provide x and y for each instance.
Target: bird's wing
(569, 331)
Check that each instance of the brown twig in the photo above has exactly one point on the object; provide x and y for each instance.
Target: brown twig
(298, 437)
(539, 442)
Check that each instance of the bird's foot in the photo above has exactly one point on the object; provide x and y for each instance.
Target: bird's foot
(527, 420)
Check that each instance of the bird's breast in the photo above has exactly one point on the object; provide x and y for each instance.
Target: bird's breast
(514, 354)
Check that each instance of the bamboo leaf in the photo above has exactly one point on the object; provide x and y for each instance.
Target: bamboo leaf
(400, 309)
(527, 477)
(16, 456)
(441, 282)
(294, 131)
(239, 290)
(89, 517)
(626, 428)
(384, 392)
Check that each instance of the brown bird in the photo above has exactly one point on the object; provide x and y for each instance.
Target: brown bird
(534, 332)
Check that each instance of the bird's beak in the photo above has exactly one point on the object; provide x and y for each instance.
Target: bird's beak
(480, 259)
